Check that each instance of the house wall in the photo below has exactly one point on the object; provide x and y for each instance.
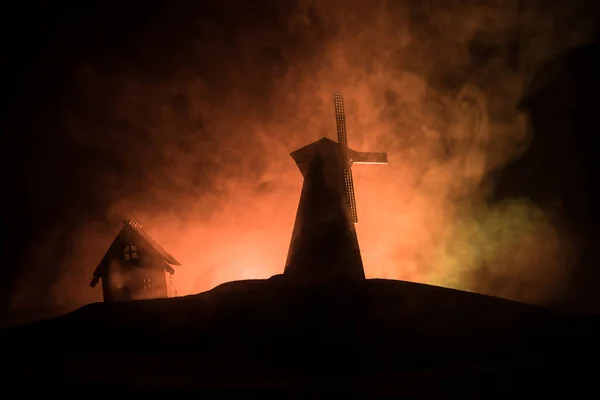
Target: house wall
(145, 280)
(151, 283)
(171, 289)
(130, 276)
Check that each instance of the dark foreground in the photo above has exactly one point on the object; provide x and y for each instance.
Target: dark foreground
(273, 336)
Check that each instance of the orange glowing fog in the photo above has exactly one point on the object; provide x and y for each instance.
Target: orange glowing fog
(219, 190)
(404, 232)
(251, 240)
(422, 217)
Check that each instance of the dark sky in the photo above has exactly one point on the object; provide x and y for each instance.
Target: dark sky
(85, 86)
(43, 43)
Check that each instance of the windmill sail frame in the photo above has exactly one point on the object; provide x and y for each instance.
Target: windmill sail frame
(340, 120)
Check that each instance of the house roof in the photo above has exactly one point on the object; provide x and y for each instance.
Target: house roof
(137, 228)
(134, 231)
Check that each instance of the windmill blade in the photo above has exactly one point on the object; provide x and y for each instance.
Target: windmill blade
(349, 185)
(340, 119)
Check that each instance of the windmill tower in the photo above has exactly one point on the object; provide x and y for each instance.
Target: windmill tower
(324, 245)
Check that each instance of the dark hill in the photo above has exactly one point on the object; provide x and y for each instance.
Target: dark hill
(368, 337)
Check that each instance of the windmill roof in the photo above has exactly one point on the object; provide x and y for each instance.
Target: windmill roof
(306, 153)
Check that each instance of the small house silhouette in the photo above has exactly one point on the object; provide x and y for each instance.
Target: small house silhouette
(135, 267)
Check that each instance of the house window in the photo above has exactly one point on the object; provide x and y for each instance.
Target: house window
(131, 252)
(147, 284)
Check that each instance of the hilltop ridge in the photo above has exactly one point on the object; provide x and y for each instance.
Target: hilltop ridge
(261, 334)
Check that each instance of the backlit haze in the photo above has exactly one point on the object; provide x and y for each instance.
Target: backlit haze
(193, 140)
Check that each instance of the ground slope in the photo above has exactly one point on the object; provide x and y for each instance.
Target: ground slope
(375, 336)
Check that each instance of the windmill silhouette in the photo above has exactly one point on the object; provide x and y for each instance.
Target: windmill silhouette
(324, 245)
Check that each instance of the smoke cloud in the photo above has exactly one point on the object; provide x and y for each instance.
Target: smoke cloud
(191, 137)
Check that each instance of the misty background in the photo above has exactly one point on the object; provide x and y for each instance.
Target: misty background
(182, 117)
